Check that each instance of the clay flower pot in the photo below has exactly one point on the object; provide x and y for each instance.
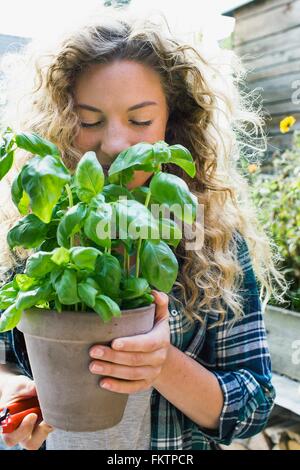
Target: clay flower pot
(58, 348)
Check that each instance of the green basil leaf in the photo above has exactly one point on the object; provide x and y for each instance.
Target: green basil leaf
(182, 157)
(8, 294)
(48, 245)
(39, 264)
(135, 221)
(7, 141)
(43, 304)
(161, 153)
(55, 274)
(106, 308)
(87, 294)
(158, 265)
(122, 178)
(89, 177)
(143, 301)
(97, 225)
(6, 162)
(43, 179)
(174, 193)
(134, 287)
(30, 298)
(66, 287)
(84, 257)
(112, 192)
(58, 305)
(19, 196)
(70, 224)
(108, 274)
(96, 201)
(60, 256)
(140, 193)
(10, 318)
(138, 156)
(169, 231)
(28, 232)
(91, 282)
(23, 282)
(35, 144)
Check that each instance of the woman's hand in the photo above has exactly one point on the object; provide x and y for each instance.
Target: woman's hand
(28, 435)
(133, 363)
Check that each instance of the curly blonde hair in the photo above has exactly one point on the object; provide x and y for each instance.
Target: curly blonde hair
(208, 114)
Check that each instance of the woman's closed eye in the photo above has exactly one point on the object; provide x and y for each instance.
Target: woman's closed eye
(98, 123)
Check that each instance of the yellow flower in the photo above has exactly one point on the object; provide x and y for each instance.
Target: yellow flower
(252, 168)
(287, 123)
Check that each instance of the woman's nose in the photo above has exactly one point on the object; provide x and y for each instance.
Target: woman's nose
(113, 142)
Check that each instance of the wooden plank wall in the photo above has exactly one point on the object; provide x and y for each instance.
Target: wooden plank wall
(267, 38)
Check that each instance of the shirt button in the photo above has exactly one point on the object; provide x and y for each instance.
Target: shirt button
(174, 313)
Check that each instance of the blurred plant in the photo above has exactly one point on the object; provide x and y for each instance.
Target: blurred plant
(277, 198)
(286, 124)
(252, 168)
(227, 43)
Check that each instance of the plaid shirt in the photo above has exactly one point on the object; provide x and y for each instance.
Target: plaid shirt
(238, 356)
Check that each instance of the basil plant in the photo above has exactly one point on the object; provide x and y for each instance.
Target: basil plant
(83, 228)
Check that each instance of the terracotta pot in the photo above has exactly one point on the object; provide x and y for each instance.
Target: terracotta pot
(58, 349)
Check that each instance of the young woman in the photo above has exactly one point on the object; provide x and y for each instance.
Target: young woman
(202, 376)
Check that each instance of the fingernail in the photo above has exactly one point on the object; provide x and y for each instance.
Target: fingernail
(34, 418)
(99, 352)
(118, 344)
(105, 385)
(97, 369)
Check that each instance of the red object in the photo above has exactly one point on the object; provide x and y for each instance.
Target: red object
(12, 415)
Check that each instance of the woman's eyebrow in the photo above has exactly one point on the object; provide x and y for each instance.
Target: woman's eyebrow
(132, 108)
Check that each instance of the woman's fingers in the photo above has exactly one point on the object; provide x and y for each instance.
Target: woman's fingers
(162, 302)
(23, 431)
(17, 387)
(39, 435)
(135, 360)
(157, 338)
(106, 354)
(126, 386)
(27, 434)
(124, 372)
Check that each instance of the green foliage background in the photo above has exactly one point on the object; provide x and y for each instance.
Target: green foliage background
(277, 198)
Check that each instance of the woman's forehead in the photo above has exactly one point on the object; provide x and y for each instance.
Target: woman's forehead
(123, 80)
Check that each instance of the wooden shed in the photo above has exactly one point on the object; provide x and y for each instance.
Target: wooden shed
(267, 38)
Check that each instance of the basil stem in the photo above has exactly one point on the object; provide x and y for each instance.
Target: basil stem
(137, 267)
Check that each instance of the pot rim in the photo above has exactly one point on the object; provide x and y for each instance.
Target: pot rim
(125, 311)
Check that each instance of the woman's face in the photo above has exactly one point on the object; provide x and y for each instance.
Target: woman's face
(119, 104)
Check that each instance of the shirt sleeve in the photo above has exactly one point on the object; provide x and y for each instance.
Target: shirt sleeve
(12, 344)
(243, 365)
(7, 354)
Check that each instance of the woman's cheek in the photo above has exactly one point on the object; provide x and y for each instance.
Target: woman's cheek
(139, 179)
(84, 141)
